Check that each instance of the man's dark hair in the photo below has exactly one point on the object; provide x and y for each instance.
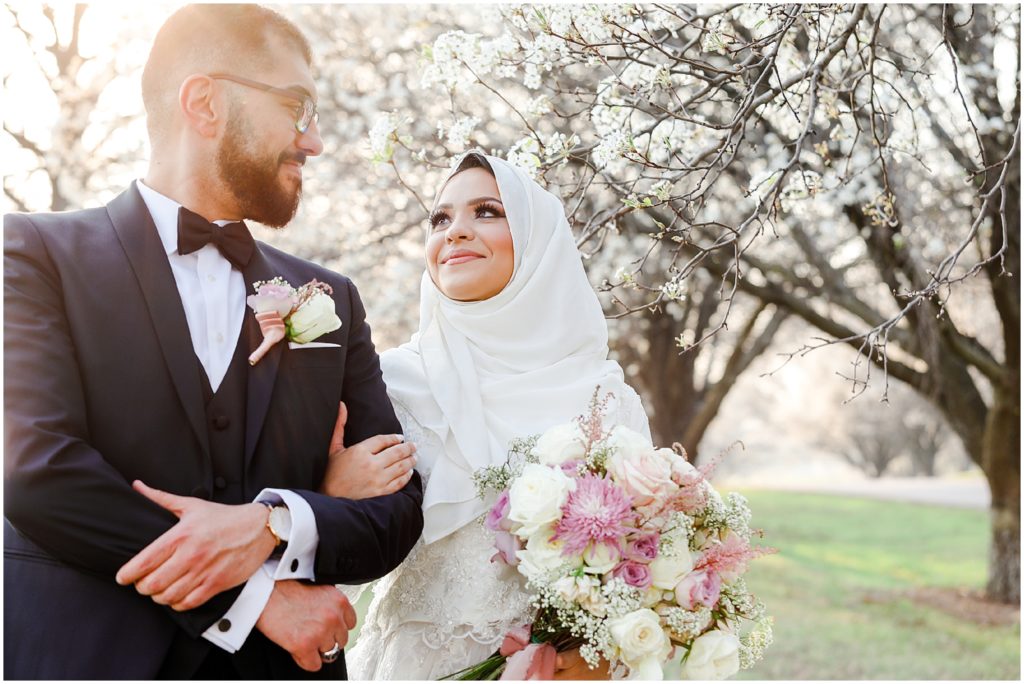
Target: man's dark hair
(206, 39)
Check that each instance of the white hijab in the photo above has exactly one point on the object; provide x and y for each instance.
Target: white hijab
(478, 374)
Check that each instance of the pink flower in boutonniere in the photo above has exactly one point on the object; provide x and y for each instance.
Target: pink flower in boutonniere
(300, 315)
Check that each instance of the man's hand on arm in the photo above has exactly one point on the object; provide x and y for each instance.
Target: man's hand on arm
(212, 548)
(307, 620)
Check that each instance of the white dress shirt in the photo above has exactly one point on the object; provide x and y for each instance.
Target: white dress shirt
(213, 296)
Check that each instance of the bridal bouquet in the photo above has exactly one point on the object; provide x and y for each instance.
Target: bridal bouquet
(630, 554)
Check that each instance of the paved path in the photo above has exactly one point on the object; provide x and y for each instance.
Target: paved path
(960, 492)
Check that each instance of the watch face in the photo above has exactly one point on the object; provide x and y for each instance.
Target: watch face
(281, 522)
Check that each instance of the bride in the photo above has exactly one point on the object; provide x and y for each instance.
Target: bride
(511, 341)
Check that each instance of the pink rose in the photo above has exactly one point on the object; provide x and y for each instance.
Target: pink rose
(645, 474)
(702, 587)
(633, 573)
(273, 297)
(497, 517)
(643, 548)
(507, 544)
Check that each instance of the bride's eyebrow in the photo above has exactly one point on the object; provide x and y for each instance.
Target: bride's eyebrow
(478, 200)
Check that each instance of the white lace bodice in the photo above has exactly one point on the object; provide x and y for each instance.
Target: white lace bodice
(447, 606)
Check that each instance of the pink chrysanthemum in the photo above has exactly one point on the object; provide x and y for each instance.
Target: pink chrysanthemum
(598, 511)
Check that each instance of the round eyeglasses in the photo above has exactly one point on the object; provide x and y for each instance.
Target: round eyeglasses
(304, 115)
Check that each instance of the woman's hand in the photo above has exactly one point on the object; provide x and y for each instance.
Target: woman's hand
(570, 665)
(374, 467)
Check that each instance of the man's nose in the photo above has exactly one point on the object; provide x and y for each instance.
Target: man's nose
(310, 142)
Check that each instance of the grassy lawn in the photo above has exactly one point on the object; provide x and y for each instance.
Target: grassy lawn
(834, 590)
(834, 587)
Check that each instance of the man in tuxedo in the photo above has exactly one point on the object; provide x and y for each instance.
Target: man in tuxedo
(161, 515)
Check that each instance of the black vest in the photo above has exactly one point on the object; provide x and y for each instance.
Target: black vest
(225, 425)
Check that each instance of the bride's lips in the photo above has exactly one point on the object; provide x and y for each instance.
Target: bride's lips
(460, 256)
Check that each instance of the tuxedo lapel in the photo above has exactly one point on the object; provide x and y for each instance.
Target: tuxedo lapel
(263, 375)
(138, 235)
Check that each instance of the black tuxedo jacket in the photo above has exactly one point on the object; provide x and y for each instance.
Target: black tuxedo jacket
(102, 387)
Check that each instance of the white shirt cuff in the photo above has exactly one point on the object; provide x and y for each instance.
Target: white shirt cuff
(297, 562)
(231, 631)
(299, 556)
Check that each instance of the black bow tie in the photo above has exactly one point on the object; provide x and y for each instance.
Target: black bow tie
(232, 239)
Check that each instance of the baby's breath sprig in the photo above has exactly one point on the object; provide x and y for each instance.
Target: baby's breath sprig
(756, 642)
(687, 625)
(737, 514)
(498, 478)
(676, 534)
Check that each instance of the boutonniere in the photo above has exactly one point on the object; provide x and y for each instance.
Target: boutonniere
(300, 315)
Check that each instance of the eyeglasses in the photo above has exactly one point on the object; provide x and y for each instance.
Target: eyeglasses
(304, 116)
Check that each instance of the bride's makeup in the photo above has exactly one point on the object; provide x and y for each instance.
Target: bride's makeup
(469, 245)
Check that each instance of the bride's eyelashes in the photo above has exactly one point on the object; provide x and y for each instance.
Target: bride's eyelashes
(488, 208)
(482, 210)
(437, 217)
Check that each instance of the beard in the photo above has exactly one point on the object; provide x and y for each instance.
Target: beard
(253, 178)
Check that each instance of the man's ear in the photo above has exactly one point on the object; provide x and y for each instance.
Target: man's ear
(201, 107)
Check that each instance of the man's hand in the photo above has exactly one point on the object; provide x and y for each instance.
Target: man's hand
(212, 548)
(374, 467)
(307, 620)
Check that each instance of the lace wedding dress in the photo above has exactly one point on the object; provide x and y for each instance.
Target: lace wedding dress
(447, 606)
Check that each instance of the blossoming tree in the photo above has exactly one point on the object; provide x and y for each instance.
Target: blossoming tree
(856, 167)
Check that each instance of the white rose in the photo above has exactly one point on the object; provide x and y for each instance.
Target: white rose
(536, 497)
(541, 555)
(667, 571)
(627, 442)
(578, 589)
(681, 468)
(600, 558)
(653, 596)
(715, 655)
(314, 318)
(642, 643)
(560, 444)
(594, 601)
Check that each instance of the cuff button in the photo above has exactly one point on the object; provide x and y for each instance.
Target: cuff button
(224, 625)
(295, 565)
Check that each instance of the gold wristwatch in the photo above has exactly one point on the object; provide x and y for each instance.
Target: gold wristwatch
(279, 522)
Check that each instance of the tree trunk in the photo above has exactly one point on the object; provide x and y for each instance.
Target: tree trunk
(1002, 466)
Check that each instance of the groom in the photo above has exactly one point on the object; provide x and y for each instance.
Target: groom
(144, 456)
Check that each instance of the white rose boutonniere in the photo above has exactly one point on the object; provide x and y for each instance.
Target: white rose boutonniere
(300, 315)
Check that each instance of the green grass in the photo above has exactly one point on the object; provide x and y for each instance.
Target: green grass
(833, 586)
(832, 589)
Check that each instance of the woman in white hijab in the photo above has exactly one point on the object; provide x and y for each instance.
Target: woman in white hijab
(511, 342)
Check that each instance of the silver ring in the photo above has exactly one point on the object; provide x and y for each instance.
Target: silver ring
(331, 655)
